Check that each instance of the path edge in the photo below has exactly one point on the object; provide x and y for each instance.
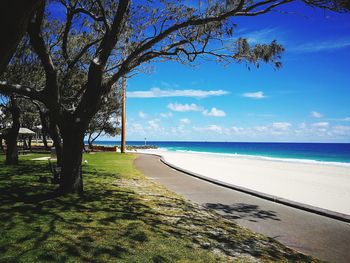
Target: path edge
(275, 199)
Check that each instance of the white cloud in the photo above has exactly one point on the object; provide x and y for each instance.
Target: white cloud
(237, 129)
(142, 114)
(321, 46)
(210, 128)
(159, 93)
(261, 128)
(215, 128)
(281, 125)
(341, 130)
(184, 107)
(276, 131)
(166, 115)
(316, 114)
(254, 95)
(302, 125)
(214, 112)
(154, 124)
(136, 127)
(169, 85)
(320, 124)
(261, 36)
(341, 119)
(185, 121)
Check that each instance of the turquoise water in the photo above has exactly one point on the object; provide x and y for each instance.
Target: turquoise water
(317, 152)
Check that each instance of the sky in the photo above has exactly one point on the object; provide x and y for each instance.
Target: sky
(307, 100)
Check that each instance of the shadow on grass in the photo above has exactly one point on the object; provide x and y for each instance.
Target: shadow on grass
(108, 222)
(240, 211)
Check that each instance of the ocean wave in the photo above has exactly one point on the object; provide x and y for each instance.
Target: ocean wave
(260, 157)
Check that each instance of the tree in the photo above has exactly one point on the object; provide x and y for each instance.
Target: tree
(29, 118)
(106, 120)
(11, 117)
(105, 40)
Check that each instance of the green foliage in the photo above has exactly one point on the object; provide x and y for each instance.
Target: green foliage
(264, 52)
(106, 120)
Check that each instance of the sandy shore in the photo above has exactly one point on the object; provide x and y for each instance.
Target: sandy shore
(320, 185)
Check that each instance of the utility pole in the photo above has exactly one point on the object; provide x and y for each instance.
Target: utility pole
(123, 135)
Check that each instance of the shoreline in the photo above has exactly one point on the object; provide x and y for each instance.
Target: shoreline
(317, 185)
(262, 157)
(334, 154)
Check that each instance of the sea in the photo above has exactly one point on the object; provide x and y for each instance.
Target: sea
(324, 153)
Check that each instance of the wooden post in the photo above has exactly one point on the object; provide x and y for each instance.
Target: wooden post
(123, 135)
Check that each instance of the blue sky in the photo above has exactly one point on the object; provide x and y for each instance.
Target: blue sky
(308, 100)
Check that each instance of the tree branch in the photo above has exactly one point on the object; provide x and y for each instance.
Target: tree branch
(94, 90)
(7, 88)
(38, 43)
(203, 21)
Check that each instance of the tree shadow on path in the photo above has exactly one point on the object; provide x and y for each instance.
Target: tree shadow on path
(249, 212)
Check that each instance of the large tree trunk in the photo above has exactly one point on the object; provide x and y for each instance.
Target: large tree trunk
(12, 134)
(11, 150)
(71, 180)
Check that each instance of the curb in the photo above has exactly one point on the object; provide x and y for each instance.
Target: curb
(275, 199)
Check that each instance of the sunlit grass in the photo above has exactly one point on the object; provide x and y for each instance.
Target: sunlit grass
(122, 217)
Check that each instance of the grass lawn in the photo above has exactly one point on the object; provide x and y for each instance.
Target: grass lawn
(122, 217)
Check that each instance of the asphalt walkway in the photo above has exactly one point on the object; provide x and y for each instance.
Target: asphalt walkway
(325, 238)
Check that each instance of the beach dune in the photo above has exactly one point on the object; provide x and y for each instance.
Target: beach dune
(321, 185)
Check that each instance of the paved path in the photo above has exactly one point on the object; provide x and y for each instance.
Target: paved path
(325, 238)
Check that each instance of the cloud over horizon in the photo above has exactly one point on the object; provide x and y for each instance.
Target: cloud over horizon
(161, 93)
(254, 95)
(321, 46)
(316, 114)
(214, 112)
(184, 107)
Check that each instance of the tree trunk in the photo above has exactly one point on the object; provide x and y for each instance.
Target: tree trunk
(12, 134)
(30, 143)
(25, 144)
(45, 141)
(91, 146)
(11, 149)
(57, 143)
(71, 180)
(57, 140)
(1, 144)
(44, 124)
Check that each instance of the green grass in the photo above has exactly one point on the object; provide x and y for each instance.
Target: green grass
(122, 217)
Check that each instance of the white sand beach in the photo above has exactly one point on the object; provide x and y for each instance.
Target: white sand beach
(320, 185)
